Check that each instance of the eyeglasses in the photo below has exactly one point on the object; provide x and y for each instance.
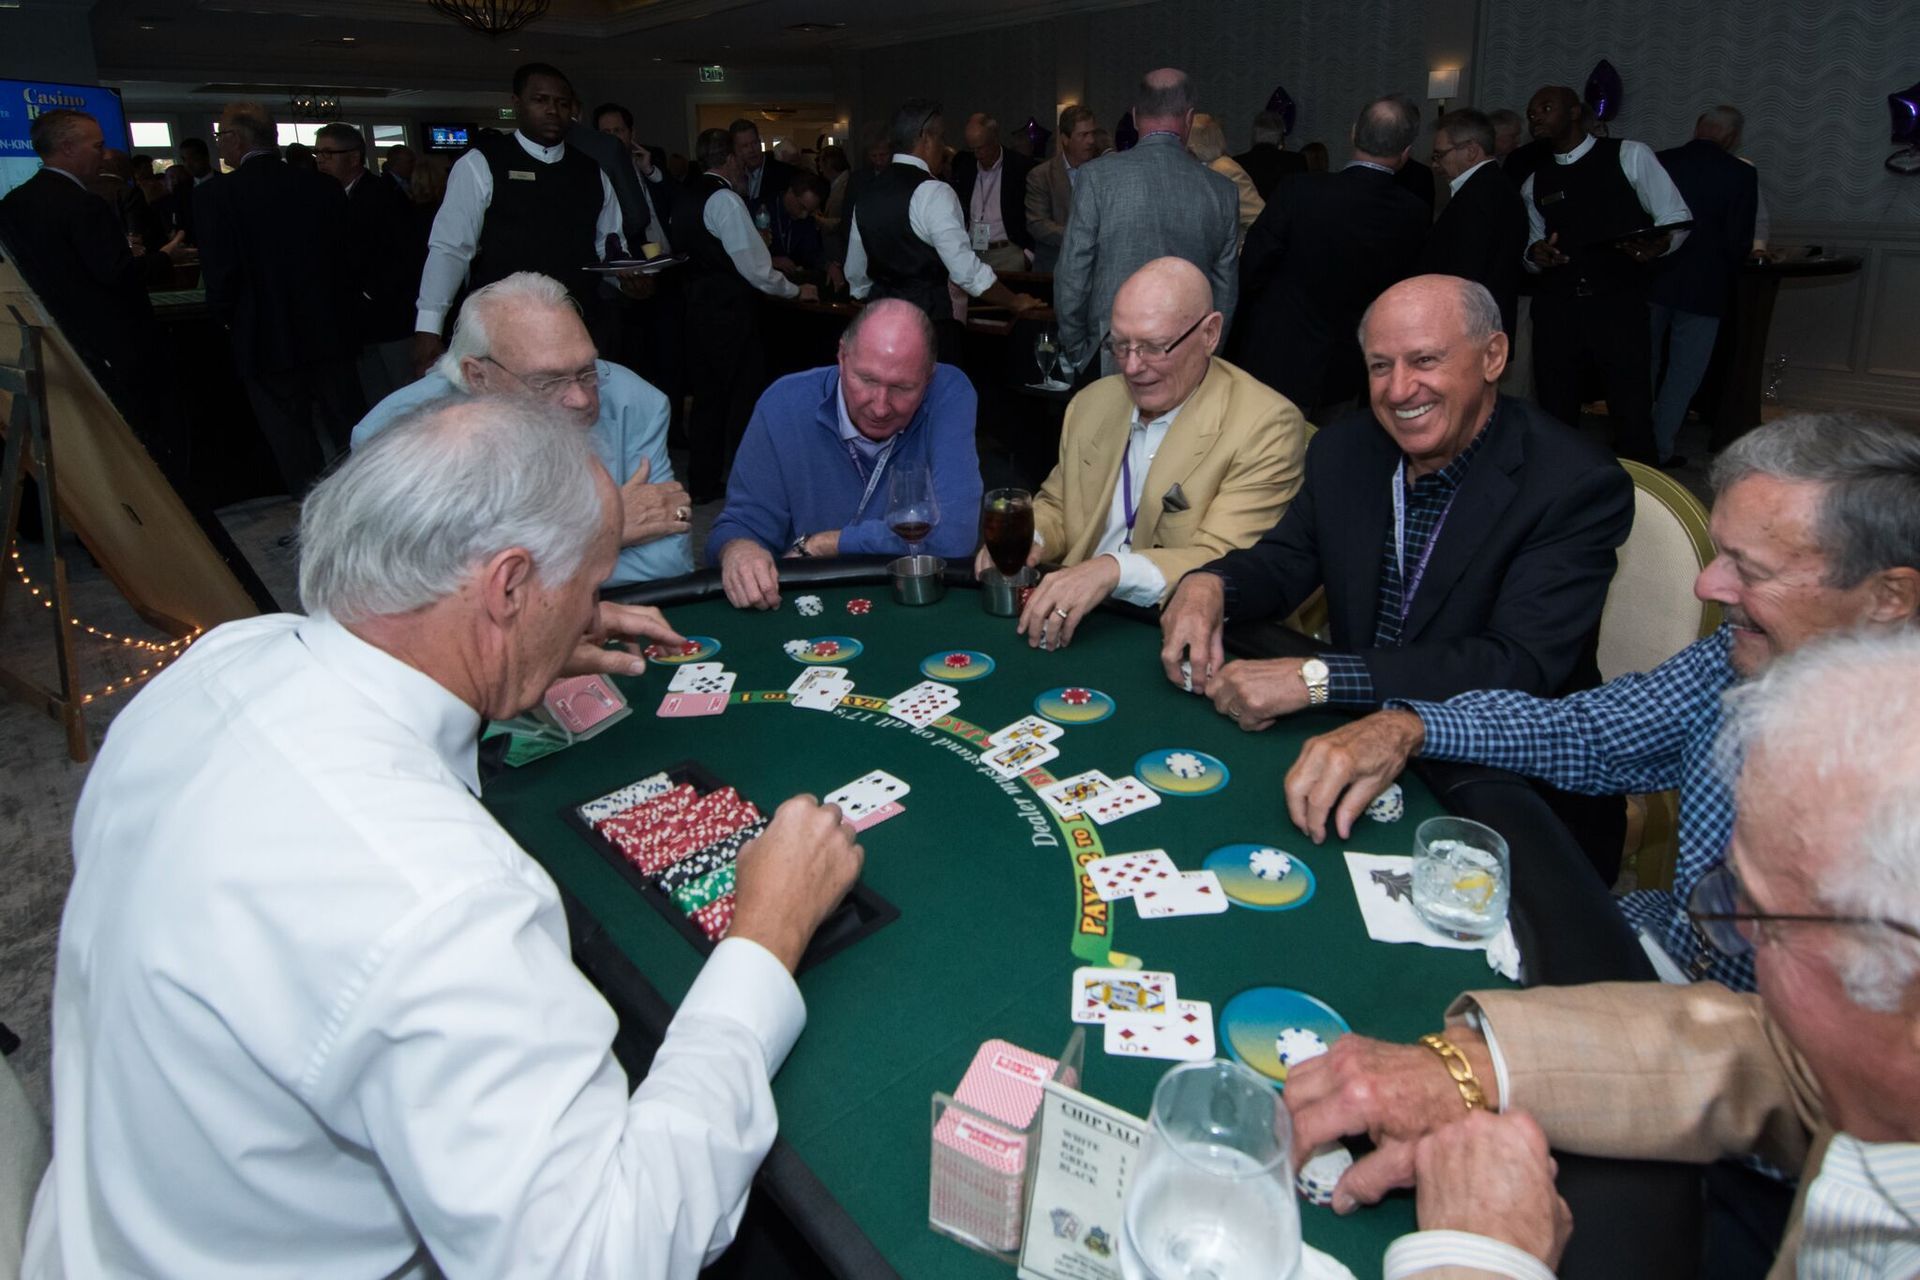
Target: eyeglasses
(1120, 351)
(1441, 153)
(1724, 915)
(553, 386)
(336, 151)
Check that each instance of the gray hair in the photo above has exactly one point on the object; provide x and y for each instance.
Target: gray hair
(1725, 124)
(56, 129)
(912, 121)
(1207, 140)
(1270, 126)
(1843, 715)
(252, 121)
(409, 515)
(1464, 126)
(473, 333)
(922, 325)
(1386, 127)
(345, 136)
(1166, 94)
(1869, 516)
(1479, 313)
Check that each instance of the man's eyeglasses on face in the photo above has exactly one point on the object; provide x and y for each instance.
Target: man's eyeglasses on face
(335, 151)
(1120, 351)
(552, 386)
(1725, 916)
(1441, 153)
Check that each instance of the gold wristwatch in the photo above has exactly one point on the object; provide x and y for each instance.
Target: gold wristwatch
(1315, 673)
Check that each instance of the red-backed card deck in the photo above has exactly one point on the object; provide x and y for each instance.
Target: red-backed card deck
(584, 705)
(677, 705)
(980, 1152)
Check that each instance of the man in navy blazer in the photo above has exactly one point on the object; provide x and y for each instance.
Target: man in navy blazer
(1482, 233)
(1693, 284)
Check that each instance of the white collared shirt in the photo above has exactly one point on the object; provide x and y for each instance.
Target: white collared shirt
(935, 216)
(727, 218)
(656, 229)
(985, 206)
(74, 178)
(1658, 196)
(869, 449)
(1861, 1212)
(1453, 188)
(315, 1013)
(456, 228)
(1141, 581)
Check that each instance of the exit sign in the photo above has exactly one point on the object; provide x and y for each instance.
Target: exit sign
(506, 113)
(713, 75)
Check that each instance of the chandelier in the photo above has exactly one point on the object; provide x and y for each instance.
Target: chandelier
(492, 17)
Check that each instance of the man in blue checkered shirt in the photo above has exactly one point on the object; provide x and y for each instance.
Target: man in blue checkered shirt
(1817, 526)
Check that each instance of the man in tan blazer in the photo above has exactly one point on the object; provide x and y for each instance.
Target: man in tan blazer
(1818, 1073)
(1050, 185)
(1176, 459)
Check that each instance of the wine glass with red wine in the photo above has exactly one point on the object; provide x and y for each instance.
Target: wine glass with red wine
(1006, 524)
(912, 509)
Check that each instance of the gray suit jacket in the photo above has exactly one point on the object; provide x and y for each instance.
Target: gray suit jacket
(1129, 208)
(1049, 196)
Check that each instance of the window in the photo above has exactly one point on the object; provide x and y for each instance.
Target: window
(151, 136)
(305, 134)
(389, 135)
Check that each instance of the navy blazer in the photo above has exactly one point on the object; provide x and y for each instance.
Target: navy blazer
(1482, 235)
(1723, 193)
(964, 170)
(1514, 589)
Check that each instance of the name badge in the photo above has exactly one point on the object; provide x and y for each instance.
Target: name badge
(521, 175)
(1554, 197)
(980, 240)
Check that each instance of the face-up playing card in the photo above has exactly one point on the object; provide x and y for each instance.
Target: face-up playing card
(1125, 874)
(824, 695)
(924, 703)
(1193, 893)
(814, 675)
(1012, 759)
(1128, 795)
(685, 674)
(1183, 1032)
(866, 793)
(1099, 993)
(709, 682)
(1025, 729)
(891, 809)
(1070, 797)
(676, 705)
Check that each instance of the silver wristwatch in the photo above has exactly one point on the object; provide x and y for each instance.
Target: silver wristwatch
(1315, 673)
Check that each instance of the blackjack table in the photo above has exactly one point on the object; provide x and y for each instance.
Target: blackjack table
(973, 910)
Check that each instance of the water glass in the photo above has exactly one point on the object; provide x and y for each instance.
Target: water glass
(1461, 877)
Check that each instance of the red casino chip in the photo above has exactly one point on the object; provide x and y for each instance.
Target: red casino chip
(1076, 697)
(824, 648)
(958, 660)
(859, 606)
(715, 918)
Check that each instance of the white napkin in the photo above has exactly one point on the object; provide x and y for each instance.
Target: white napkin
(1393, 919)
(1315, 1265)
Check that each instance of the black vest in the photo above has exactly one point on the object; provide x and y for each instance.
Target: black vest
(900, 264)
(541, 217)
(1586, 204)
(714, 286)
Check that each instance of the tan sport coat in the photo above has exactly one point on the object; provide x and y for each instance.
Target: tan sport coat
(1049, 197)
(1235, 451)
(1640, 1070)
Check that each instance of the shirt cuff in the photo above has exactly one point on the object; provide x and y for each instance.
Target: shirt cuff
(1349, 683)
(1423, 1251)
(1445, 733)
(1476, 1018)
(741, 981)
(1141, 581)
(429, 321)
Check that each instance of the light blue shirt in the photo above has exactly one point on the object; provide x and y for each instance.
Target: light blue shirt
(632, 425)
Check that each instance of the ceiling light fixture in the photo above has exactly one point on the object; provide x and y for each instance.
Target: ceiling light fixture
(492, 17)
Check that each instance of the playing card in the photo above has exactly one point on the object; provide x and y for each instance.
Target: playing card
(868, 792)
(891, 809)
(1183, 1032)
(1025, 729)
(823, 696)
(584, 705)
(687, 673)
(1128, 795)
(1069, 797)
(1012, 759)
(1124, 874)
(1193, 893)
(676, 705)
(1098, 993)
(924, 703)
(813, 676)
(710, 682)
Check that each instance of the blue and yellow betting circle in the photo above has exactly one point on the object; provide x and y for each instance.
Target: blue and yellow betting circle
(935, 665)
(1161, 769)
(1254, 1019)
(1233, 863)
(1074, 704)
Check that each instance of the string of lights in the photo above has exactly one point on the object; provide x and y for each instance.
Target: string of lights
(164, 652)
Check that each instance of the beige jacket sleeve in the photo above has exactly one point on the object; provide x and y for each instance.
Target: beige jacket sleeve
(1040, 221)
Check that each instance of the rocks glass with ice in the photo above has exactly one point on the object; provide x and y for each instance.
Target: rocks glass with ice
(1461, 877)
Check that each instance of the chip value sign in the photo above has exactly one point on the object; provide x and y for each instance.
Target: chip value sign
(713, 75)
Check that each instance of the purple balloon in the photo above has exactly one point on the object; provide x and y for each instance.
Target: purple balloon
(1905, 106)
(1037, 135)
(1604, 91)
(1281, 104)
(1124, 134)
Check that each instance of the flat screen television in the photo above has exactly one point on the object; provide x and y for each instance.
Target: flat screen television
(21, 101)
(448, 137)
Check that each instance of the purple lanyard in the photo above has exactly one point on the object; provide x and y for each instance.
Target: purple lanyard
(1410, 585)
(1126, 491)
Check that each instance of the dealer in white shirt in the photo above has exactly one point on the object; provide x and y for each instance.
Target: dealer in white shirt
(314, 1010)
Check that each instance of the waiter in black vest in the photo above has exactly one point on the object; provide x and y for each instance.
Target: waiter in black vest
(1594, 209)
(909, 236)
(727, 264)
(519, 202)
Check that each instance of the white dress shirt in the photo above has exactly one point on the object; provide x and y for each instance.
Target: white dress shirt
(935, 216)
(456, 228)
(985, 205)
(1862, 1216)
(1141, 581)
(315, 1014)
(1658, 196)
(656, 229)
(727, 218)
(1453, 188)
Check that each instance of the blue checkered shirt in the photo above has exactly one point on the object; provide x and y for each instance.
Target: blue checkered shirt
(1649, 731)
(1349, 683)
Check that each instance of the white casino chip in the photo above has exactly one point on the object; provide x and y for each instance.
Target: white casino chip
(1184, 764)
(1296, 1045)
(1270, 864)
(1320, 1174)
(795, 648)
(1389, 805)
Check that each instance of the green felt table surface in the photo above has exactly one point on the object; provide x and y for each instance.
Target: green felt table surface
(991, 922)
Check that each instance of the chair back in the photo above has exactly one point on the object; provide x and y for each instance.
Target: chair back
(1651, 612)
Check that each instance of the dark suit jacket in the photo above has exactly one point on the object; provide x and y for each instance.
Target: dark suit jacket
(1417, 177)
(1266, 164)
(1482, 235)
(1014, 167)
(777, 177)
(277, 263)
(1323, 249)
(388, 254)
(1513, 591)
(1525, 158)
(1723, 193)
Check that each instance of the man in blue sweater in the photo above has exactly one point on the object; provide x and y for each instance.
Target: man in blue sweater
(811, 475)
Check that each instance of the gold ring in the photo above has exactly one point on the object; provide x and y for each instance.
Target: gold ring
(681, 514)
(1059, 612)
(1233, 712)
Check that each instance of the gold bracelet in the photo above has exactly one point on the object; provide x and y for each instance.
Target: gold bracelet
(1460, 1069)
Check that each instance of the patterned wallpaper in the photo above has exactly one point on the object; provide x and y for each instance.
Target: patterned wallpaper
(1811, 78)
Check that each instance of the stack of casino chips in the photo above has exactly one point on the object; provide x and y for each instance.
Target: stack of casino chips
(683, 842)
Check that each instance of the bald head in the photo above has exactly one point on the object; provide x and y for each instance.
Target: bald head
(886, 366)
(1434, 355)
(1554, 115)
(982, 136)
(1164, 329)
(1164, 101)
